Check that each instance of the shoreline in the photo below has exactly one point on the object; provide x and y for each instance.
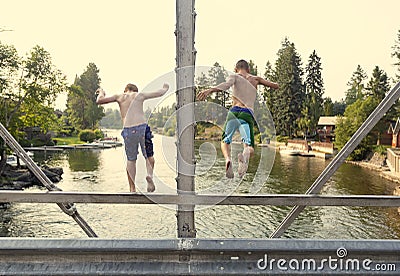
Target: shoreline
(383, 170)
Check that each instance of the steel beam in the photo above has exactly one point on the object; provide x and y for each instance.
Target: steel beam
(177, 199)
(185, 61)
(207, 257)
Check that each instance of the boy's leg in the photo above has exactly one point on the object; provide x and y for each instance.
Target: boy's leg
(229, 129)
(248, 150)
(226, 151)
(131, 170)
(150, 166)
(149, 178)
(243, 159)
(131, 151)
(148, 145)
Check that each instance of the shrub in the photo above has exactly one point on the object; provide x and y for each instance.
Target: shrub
(257, 138)
(99, 134)
(381, 149)
(87, 135)
(282, 139)
(170, 132)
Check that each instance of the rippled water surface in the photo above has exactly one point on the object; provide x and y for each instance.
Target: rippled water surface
(104, 171)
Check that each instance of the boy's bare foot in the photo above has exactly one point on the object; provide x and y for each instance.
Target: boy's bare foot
(229, 169)
(243, 165)
(150, 184)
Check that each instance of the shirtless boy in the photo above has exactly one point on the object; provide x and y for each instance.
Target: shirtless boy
(240, 116)
(135, 132)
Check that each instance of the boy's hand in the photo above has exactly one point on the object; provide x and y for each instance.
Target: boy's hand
(166, 86)
(99, 90)
(203, 95)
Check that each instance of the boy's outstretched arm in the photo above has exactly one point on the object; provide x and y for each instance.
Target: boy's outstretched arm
(220, 87)
(102, 99)
(155, 94)
(268, 83)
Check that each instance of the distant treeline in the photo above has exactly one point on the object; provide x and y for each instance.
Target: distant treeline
(111, 119)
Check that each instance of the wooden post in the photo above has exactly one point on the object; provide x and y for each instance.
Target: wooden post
(185, 60)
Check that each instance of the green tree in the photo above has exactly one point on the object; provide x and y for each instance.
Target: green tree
(76, 106)
(286, 105)
(111, 119)
(328, 107)
(339, 107)
(305, 122)
(356, 84)
(314, 85)
(253, 68)
(354, 116)
(83, 112)
(42, 83)
(216, 75)
(378, 85)
(396, 56)
(394, 111)
(377, 88)
(32, 93)
(269, 95)
(9, 66)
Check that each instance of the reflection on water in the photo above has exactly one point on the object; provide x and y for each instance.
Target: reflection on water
(84, 160)
(104, 171)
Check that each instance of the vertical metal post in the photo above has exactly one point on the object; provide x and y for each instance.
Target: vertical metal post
(185, 60)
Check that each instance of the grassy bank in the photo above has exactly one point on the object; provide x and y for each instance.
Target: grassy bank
(68, 140)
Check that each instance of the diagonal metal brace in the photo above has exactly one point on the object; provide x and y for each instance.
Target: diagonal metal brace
(68, 208)
(338, 160)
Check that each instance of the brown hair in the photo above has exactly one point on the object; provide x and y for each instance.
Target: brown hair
(131, 87)
(242, 64)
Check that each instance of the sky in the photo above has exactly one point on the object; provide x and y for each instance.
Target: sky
(133, 40)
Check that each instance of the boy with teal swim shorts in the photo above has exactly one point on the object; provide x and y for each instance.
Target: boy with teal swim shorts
(240, 116)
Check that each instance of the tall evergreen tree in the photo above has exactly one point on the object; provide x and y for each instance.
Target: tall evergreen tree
(314, 85)
(327, 107)
(378, 85)
(396, 56)
(394, 111)
(216, 75)
(268, 94)
(253, 68)
(377, 88)
(356, 84)
(82, 109)
(290, 95)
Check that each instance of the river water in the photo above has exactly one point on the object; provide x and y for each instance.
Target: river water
(104, 171)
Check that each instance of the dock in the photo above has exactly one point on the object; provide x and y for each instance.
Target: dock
(96, 145)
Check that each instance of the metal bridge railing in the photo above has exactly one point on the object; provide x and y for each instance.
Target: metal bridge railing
(203, 199)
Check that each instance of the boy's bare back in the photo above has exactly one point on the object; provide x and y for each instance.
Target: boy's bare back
(131, 104)
(244, 88)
